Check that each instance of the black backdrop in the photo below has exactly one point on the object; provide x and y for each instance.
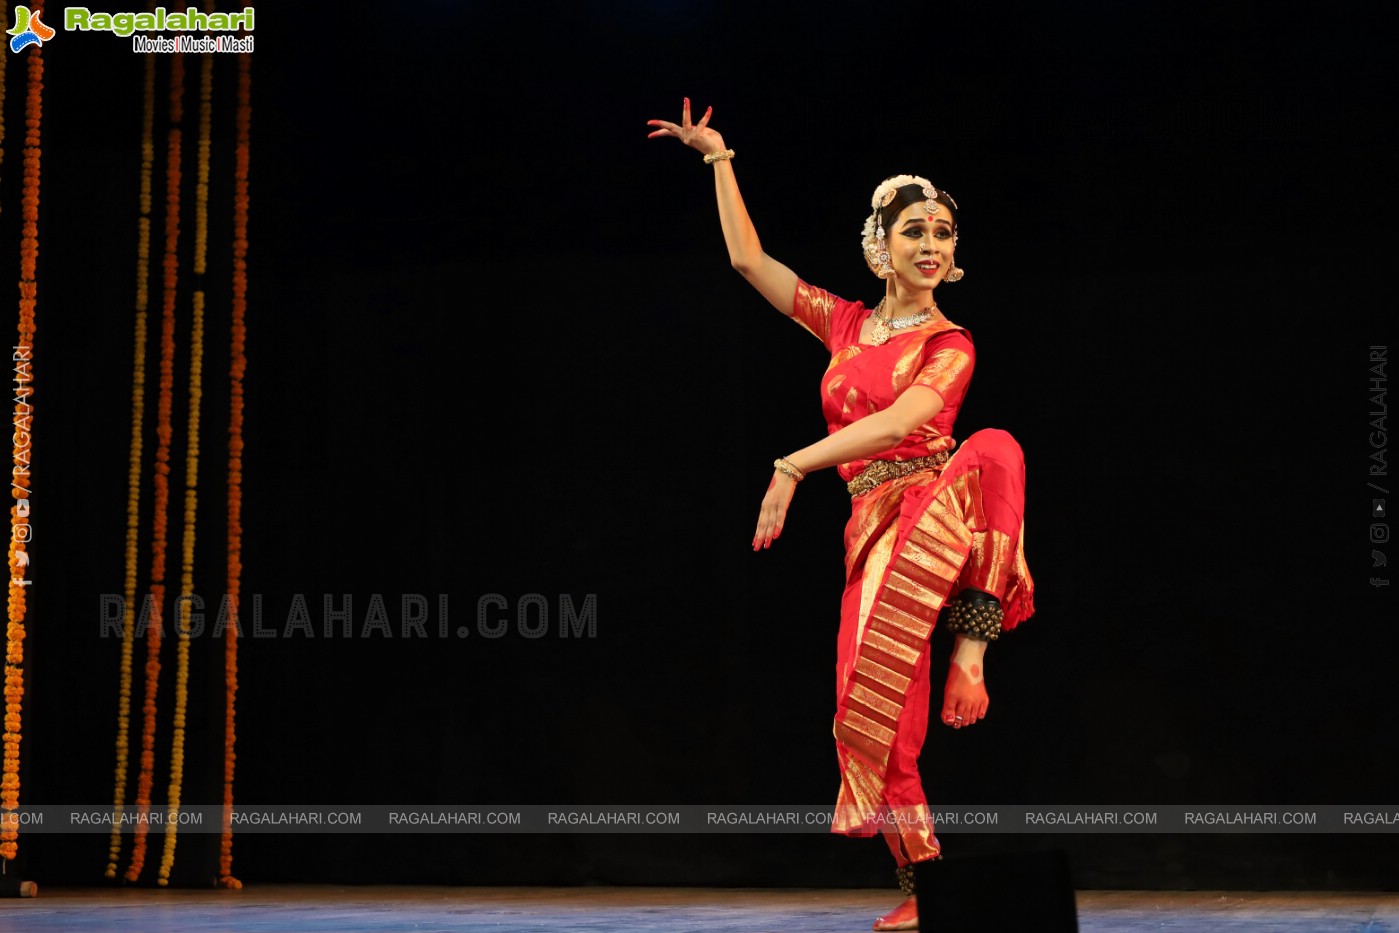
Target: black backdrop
(495, 348)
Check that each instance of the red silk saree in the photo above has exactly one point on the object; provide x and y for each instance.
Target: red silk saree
(911, 543)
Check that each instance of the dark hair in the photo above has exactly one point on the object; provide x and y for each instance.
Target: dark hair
(913, 194)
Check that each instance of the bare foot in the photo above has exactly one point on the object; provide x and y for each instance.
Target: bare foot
(964, 698)
(903, 917)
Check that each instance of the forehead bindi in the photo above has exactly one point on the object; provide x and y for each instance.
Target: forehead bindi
(920, 218)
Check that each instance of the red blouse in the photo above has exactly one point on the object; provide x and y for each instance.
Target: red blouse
(863, 378)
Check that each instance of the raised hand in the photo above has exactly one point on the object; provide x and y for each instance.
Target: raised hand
(697, 136)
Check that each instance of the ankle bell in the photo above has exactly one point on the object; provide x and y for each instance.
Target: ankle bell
(905, 876)
(974, 614)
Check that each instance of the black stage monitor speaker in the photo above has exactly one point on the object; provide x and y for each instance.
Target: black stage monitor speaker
(1020, 892)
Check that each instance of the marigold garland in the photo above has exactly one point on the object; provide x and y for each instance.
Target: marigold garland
(154, 635)
(6, 823)
(237, 366)
(196, 372)
(23, 448)
(133, 484)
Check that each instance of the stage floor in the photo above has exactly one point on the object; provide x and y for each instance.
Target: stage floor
(371, 909)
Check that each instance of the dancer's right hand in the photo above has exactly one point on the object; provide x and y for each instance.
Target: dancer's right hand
(695, 135)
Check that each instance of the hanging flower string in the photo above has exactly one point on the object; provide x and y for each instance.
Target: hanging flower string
(133, 476)
(162, 464)
(23, 447)
(237, 366)
(7, 823)
(196, 391)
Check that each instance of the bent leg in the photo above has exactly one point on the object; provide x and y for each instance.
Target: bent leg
(992, 472)
(987, 479)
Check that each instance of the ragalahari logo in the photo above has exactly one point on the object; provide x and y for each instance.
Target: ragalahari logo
(28, 29)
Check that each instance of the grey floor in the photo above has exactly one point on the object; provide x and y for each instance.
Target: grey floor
(321, 909)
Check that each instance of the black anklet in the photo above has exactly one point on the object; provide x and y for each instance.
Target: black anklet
(905, 875)
(974, 614)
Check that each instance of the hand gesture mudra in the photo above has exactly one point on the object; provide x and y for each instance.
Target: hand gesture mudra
(695, 135)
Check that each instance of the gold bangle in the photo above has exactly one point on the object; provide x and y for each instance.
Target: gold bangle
(712, 157)
(783, 465)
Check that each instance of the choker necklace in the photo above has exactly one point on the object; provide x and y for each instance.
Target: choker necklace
(885, 326)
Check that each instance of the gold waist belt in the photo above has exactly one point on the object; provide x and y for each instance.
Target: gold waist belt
(881, 471)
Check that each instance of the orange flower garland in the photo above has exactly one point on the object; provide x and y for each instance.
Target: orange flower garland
(162, 463)
(196, 372)
(238, 365)
(23, 440)
(6, 821)
(133, 479)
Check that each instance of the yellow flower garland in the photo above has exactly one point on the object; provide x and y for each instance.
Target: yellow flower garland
(196, 372)
(133, 478)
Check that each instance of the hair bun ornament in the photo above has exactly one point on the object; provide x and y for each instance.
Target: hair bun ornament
(887, 188)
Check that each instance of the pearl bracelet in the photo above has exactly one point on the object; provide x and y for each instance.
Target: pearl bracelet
(712, 157)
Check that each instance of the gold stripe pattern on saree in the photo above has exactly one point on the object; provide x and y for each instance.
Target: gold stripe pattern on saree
(916, 584)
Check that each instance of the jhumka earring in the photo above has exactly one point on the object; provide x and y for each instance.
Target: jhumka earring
(884, 270)
(954, 274)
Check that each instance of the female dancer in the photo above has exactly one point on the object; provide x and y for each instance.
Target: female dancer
(934, 535)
